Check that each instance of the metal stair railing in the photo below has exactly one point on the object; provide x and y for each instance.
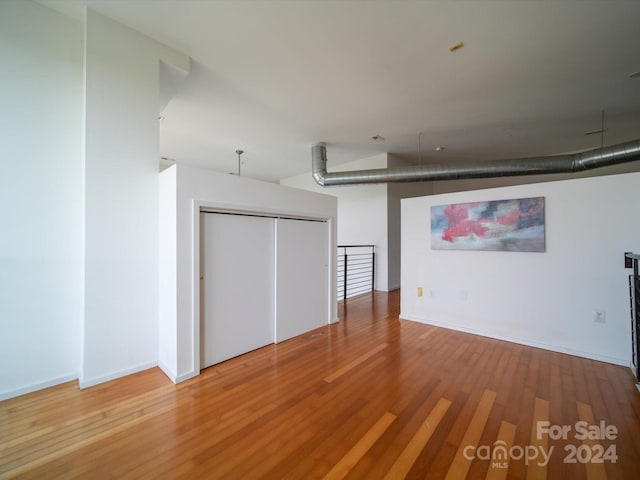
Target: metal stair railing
(356, 270)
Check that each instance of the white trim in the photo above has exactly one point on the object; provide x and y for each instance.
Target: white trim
(167, 371)
(37, 386)
(172, 376)
(274, 305)
(520, 341)
(196, 208)
(186, 376)
(240, 209)
(332, 273)
(118, 374)
(247, 209)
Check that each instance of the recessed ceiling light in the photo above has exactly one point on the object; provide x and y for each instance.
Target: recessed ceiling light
(634, 75)
(439, 149)
(378, 138)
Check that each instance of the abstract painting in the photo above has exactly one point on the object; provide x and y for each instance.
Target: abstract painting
(509, 225)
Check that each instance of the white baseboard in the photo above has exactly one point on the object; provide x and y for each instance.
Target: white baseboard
(167, 371)
(37, 386)
(121, 373)
(521, 341)
(173, 376)
(186, 376)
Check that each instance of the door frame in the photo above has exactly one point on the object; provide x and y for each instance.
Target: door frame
(199, 206)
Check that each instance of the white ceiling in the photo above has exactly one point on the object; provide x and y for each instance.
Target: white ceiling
(272, 77)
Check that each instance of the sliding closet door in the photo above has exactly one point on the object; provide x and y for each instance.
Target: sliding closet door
(237, 291)
(302, 278)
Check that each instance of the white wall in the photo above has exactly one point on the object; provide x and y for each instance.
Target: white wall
(393, 235)
(541, 299)
(196, 187)
(167, 275)
(395, 193)
(121, 154)
(41, 198)
(362, 210)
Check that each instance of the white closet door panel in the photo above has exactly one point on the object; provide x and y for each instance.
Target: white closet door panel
(238, 285)
(302, 277)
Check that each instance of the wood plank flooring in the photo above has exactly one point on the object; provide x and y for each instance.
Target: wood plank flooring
(370, 397)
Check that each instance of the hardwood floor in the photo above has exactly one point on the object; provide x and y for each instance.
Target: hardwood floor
(370, 397)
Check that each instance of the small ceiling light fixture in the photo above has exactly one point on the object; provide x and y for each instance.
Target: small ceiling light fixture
(439, 149)
(239, 152)
(160, 117)
(378, 138)
(456, 46)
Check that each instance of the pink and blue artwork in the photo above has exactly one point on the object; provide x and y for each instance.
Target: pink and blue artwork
(508, 225)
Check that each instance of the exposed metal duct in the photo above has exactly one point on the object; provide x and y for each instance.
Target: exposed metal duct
(600, 157)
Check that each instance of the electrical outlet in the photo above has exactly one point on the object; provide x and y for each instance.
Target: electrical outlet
(600, 316)
(420, 291)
